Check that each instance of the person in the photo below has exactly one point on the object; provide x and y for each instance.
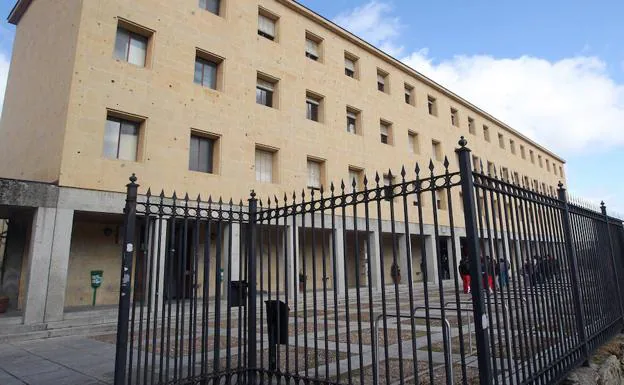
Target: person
(464, 272)
(503, 275)
(395, 272)
(487, 271)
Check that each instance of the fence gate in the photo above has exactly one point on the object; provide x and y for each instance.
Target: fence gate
(433, 275)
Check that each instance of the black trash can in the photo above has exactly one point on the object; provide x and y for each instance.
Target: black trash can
(237, 295)
(277, 310)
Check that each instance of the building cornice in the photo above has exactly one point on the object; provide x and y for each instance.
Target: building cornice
(333, 27)
(18, 11)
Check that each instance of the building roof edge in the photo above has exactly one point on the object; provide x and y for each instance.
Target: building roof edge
(19, 9)
(307, 12)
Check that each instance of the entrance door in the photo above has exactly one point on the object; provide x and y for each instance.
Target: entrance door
(179, 271)
(444, 258)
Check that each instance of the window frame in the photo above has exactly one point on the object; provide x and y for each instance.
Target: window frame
(454, 117)
(215, 151)
(136, 122)
(205, 7)
(413, 147)
(269, 85)
(317, 41)
(353, 113)
(314, 100)
(274, 176)
(383, 85)
(139, 33)
(436, 147)
(317, 162)
(274, 19)
(432, 105)
(386, 126)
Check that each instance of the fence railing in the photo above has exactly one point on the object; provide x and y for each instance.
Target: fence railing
(377, 281)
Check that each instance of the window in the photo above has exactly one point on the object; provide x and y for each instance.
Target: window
(540, 161)
(213, 6)
(315, 168)
(516, 178)
(313, 46)
(265, 90)
(505, 174)
(454, 117)
(409, 94)
(512, 146)
(476, 162)
(131, 47)
(356, 174)
(440, 200)
(385, 130)
(313, 107)
(436, 150)
(491, 168)
(267, 24)
(207, 68)
(382, 78)
(432, 105)
(350, 65)
(547, 165)
(486, 133)
(532, 156)
(264, 165)
(121, 139)
(560, 171)
(202, 153)
(526, 181)
(522, 152)
(353, 120)
(501, 141)
(413, 145)
(471, 126)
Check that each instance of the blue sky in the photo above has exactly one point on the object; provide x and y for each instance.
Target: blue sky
(553, 70)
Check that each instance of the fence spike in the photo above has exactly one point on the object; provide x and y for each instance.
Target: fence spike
(446, 163)
(174, 196)
(431, 165)
(331, 187)
(403, 173)
(377, 178)
(365, 181)
(342, 185)
(149, 192)
(186, 197)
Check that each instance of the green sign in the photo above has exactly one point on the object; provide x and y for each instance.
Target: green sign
(96, 282)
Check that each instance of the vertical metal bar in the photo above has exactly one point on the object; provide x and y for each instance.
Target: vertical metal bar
(325, 278)
(252, 365)
(358, 284)
(314, 279)
(580, 316)
(335, 277)
(379, 197)
(603, 209)
(369, 276)
(228, 291)
(121, 352)
(472, 235)
(343, 217)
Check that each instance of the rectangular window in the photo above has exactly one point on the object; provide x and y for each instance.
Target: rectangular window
(486, 133)
(313, 47)
(121, 139)
(314, 174)
(526, 182)
(436, 150)
(412, 142)
(501, 141)
(350, 65)
(409, 95)
(131, 47)
(547, 165)
(476, 163)
(352, 121)
(522, 152)
(516, 178)
(213, 6)
(385, 130)
(505, 174)
(532, 156)
(454, 117)
(491, 168)
(264, 165)
(432, 105)
(561, 171)
(471, 126)
(440, 200)
(267, 24)
(382, 78)
(357, 175)
(206, 72)
(265, 90)
(313, 107)
(512, 146)
(201, 155)
(540, 161)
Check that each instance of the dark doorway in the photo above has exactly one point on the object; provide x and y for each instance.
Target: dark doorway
(179, 261)
(444, 258)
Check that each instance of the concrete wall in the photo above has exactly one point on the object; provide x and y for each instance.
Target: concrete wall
(37, 100)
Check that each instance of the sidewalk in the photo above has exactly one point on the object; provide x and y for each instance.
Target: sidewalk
(57, 361)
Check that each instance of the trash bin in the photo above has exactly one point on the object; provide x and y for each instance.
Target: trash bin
(277, 310)
(238, 293)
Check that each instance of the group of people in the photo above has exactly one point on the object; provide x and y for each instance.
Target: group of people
(491, 272)
(541, 269)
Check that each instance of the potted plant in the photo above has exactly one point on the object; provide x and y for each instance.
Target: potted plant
(302, 281)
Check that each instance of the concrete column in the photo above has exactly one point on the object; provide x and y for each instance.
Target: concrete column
(292, 242)
(39, 255)
(432, 259)
(339, 257)
(375, 260)
(159, 255)
(454, 269)
(405, 258)
(59, 264)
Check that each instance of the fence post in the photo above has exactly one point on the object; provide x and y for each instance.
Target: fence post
(121, 354)
(603, 208)
(476, 282)
(567, 231)
(252, 297)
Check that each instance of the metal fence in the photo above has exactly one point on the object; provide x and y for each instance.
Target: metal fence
(377, 281)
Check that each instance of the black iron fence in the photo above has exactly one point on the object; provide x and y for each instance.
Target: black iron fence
(425, 277)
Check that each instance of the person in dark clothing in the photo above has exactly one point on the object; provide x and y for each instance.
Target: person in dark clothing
(503, 273)
(464, 272)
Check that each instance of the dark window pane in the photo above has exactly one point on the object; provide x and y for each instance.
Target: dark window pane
(199, 72)
(210, 5)
(269, 99)
(349, 72)
(312, 111)
(380, 87)
(201, 154)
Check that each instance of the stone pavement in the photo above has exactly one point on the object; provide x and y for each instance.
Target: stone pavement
(57, 361)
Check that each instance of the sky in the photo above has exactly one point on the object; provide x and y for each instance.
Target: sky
(553, 70)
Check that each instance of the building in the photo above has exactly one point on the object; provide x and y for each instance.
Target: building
(206, 97)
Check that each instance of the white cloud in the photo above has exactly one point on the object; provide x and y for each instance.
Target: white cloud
(374, 23)
(570, 105)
